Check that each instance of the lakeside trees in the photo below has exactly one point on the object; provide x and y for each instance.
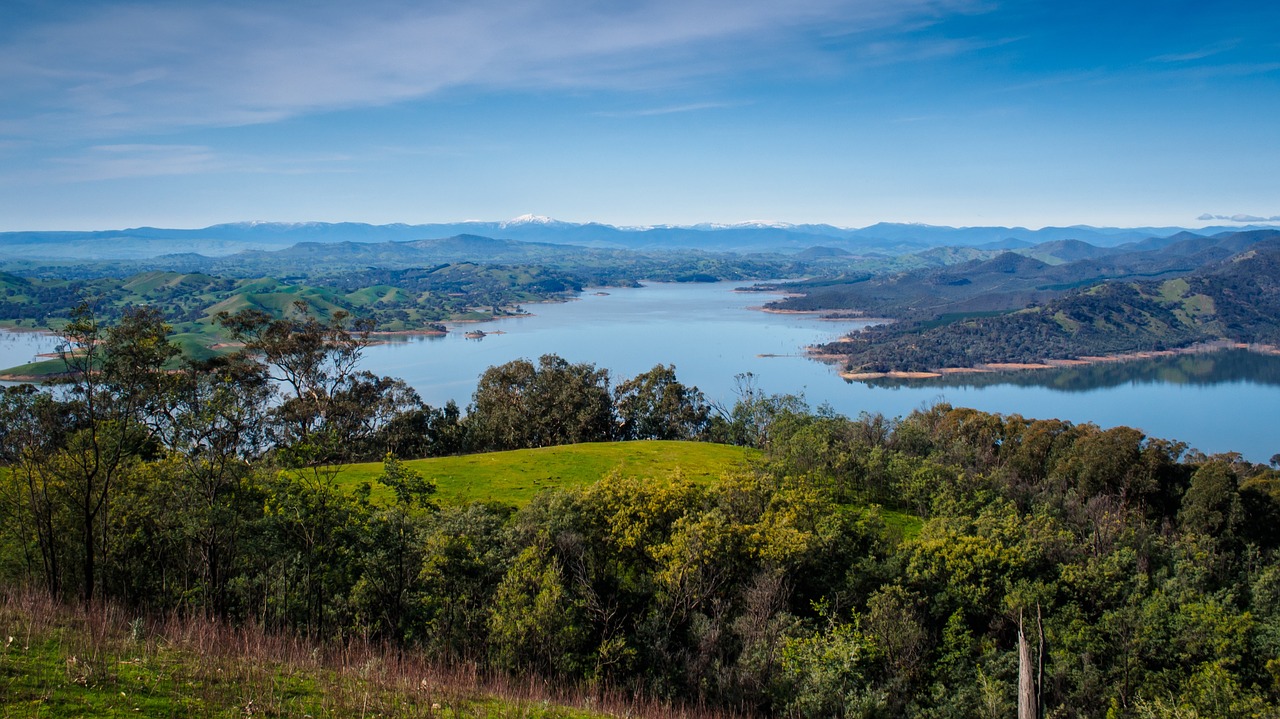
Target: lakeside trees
(865, 567)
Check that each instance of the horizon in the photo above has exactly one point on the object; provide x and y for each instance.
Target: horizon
(960, 113)
(529, 218)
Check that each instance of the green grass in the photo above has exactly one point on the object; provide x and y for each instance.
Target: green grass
(901, 524)
(514, 477)
(41, 369)
(59, 661)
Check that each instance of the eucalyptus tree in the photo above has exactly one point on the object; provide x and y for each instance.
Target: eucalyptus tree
(89, 435)
(216, 434)
(655, 405)
(519, 404)
(328, 412)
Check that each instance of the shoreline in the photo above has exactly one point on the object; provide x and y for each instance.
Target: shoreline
(993, 367)
(827, 315)
(28, 330)
(28, 378)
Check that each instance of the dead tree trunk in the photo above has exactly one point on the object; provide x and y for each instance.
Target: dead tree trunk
(1027, 704)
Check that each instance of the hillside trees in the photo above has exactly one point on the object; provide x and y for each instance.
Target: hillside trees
(330, 412)
(107, 422)
(330, 409)
(519, 404)
(216, 436)
(654, 405)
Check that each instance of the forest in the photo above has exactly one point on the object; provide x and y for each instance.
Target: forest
(1145, 572)
(1235, 301)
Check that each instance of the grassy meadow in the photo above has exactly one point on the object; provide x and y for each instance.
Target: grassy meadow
(515, 477)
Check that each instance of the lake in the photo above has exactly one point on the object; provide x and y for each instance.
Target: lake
(1220, 402)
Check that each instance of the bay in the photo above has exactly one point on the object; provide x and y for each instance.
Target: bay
(710, 333)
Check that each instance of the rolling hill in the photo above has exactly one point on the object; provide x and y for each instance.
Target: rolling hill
(1236, 300)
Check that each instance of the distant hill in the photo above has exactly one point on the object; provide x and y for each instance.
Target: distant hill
(1235, 300)
(882, 238)
(1064, 251)
(1011, 280)
(819, 252)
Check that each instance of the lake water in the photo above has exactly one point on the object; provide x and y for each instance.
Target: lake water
(1218, 402)
(22, 347)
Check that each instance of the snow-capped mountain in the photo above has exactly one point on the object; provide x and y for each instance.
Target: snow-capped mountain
(751, 236)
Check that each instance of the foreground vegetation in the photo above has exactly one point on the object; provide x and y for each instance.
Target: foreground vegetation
(862, 567)
(104, 661)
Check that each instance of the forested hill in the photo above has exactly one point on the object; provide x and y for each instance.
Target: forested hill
(1235, 300)
(965, 280)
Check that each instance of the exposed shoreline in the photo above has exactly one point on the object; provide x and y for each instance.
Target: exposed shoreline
(28, 378)
(827, 315)
(1200, 348)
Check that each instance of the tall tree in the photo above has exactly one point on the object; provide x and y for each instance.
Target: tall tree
(115, 384)
(655, 405)
(518, 405)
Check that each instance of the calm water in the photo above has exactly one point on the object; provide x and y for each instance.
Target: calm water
(1217, 403)
(22, 347)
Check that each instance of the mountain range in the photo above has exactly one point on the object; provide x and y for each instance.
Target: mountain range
(878, 239)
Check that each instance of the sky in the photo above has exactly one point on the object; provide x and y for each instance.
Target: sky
(186, 113)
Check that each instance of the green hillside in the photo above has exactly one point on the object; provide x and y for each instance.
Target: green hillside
(514, 477)
(1234, 301)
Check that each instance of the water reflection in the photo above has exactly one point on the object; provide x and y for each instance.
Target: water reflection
(1202, 368)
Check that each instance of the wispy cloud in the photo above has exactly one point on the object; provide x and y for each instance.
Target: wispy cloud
(1238, 218)
(152, 65)
(132, 161)
(1199, 54)
(111, 162)
(667, 110)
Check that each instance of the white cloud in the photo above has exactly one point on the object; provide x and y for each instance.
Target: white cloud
(104, 162)
(140, 66)
(1199, 54)
(139, 160)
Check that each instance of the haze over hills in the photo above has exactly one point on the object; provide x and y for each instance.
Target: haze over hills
(881, 238)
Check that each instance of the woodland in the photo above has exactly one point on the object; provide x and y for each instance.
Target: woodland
(1018, 308)
(858, 567)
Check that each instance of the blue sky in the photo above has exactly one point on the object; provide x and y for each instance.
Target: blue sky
(184, 113)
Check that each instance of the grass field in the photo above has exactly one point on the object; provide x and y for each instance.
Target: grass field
(62, 661)
(514, 477)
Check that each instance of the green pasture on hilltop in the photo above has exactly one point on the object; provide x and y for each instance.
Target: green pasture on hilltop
(514, 477)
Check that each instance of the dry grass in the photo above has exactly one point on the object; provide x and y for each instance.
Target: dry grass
(101, 661)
